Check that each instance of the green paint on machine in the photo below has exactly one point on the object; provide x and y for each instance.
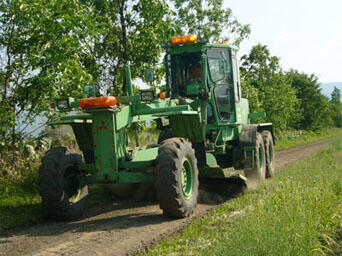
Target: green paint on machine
(208, 122)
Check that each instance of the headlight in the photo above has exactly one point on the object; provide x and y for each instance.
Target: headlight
(146, 95)
(63, 104)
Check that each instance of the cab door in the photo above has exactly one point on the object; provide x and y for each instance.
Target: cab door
(220, 78)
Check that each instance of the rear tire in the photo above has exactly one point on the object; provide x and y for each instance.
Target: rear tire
(62, 195)
(259, 171)
(269, 153)
(176, 178)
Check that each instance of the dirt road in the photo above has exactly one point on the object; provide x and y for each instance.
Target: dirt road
(118, 228)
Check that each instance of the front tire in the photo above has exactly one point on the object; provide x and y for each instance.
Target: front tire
(164, 135)
(62, 195)
(176, 178)
(259, 170)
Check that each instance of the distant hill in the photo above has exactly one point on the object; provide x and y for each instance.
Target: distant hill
(327, 88)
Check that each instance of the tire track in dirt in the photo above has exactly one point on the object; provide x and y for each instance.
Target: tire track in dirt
(117, 228)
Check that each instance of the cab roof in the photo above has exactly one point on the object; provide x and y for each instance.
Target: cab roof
(195, 47)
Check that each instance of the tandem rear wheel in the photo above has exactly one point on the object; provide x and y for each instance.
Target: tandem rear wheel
(263, 157)
(259, 170)
(269, 153)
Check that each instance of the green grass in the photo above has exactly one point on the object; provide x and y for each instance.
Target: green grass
(298, 212)
(19, 204)
(288, 139)
(19, 199)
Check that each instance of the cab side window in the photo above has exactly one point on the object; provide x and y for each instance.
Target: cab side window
(219, 69)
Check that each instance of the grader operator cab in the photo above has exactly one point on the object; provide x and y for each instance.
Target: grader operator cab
(207, 130)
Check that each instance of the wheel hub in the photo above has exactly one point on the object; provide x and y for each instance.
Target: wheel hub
(71, 186)
(261, 157)
(187, 178)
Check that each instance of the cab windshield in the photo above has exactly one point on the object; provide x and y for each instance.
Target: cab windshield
(185, 69)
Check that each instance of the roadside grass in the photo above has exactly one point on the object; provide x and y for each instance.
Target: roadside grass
(289, 139)
(19, 205)
(298, 212)
(19, 199)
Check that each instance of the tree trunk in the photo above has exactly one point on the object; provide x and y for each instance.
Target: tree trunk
(122, 10)
(13, 145)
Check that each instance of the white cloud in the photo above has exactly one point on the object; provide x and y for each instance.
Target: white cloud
(332, 42)
(283, 37)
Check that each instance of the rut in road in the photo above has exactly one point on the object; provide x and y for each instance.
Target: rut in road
(121, 227)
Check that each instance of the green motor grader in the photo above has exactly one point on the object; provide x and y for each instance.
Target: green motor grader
(205, 130)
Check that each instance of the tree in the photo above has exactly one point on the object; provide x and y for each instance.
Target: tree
(42, 49)
(208, 20)
(130, 32)
(262, 74)
(336, 107)
(315, 106)
(336, 95)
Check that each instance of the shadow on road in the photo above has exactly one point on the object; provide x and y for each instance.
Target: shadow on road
(125, 214)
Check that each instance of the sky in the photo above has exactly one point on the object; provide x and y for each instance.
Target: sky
(305, 34)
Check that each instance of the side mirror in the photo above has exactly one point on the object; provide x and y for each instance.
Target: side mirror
(149, 75)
